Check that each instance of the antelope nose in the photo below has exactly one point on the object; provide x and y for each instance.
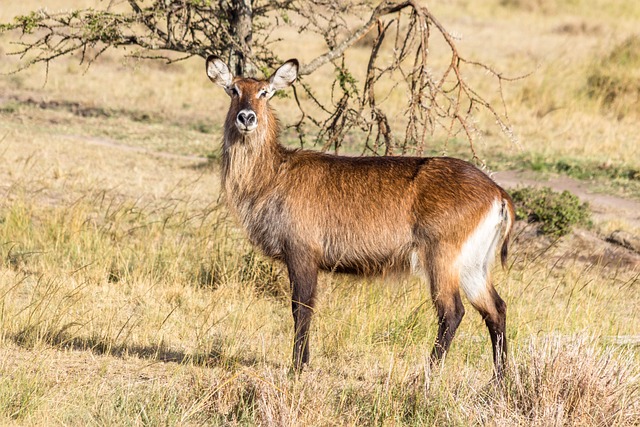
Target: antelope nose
(247, 118)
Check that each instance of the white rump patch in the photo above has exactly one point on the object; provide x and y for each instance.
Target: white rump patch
(478, 253)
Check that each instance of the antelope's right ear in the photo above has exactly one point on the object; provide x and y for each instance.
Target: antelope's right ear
(218, 72)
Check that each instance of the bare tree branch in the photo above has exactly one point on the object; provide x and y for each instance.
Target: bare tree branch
(384, 8)
(240, 31)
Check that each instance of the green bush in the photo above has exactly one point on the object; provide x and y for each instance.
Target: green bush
(556, 212)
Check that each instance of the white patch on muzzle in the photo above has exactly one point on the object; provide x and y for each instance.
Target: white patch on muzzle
(250, 122)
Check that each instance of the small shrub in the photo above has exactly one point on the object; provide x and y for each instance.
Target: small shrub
(556, 212)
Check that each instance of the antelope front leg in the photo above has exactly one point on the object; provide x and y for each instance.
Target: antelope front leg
(303, 275)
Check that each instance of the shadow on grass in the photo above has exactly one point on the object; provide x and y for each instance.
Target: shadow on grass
(216, 357)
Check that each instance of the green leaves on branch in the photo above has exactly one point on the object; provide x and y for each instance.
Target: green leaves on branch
(26, 23)
(94, 25)
(347, 81)
(105, 27)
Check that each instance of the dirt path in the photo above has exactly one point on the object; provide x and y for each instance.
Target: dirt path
(604, 206)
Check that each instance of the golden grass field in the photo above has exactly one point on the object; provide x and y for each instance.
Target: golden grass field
(128, 296)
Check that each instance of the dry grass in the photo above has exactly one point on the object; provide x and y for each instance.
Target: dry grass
(140, 304)
(127, 297)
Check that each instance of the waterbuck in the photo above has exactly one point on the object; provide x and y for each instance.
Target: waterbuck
(440, 217)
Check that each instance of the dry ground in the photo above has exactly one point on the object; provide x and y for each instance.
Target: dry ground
(129, 298)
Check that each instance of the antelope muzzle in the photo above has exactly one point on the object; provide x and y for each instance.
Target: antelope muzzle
(246, 121)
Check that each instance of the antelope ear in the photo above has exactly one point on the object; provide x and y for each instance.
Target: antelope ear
(284, 76)
(218, 72)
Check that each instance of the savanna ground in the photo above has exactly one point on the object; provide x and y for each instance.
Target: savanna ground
(128, 297)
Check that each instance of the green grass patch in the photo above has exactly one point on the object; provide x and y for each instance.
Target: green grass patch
(584, 169)
(623, 179)
(21, 393)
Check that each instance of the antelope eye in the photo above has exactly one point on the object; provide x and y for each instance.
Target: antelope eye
(262, 93)
(234, 91)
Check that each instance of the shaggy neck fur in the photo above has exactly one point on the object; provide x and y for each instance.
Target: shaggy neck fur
(250, 163)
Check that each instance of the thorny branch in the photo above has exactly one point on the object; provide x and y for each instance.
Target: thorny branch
(435, 100)
(241, 31)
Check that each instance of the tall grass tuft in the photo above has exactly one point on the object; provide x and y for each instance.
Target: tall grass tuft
(556, 381)
(614, 80)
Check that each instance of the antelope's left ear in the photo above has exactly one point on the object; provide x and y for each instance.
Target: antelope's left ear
(284, 76)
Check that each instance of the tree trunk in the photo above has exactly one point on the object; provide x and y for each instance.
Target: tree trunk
(242, 30)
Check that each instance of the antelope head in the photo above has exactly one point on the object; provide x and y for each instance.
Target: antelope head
(249, 96)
